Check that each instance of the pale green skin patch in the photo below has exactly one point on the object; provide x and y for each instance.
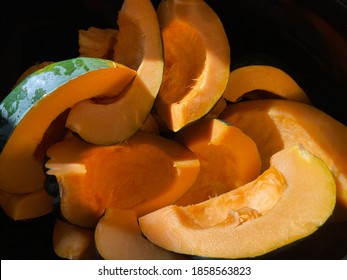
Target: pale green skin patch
(38, 85)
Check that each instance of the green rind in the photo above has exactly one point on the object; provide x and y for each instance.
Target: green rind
(40, 84)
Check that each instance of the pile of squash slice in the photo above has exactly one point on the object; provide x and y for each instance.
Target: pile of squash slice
(160, 151)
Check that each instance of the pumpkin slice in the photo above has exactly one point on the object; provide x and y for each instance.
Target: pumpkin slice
(144, 173)
(27, 112)
(118, 237)
(253, 80)
(73, 242)
(197, 61)
(139, 47)
(289, 201)
(228, 158)
(26, 206)
(275, 124)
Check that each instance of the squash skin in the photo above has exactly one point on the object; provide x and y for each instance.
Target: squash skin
(247, 79)
(118, 237)
(275, 124)
(144, 173)
(36, 102)
(197, 61)
(119, 119)
(228, 158)
(293, 215)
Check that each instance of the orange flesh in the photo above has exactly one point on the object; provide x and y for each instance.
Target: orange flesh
(139, 46)
(145, 173)
(73, 242)
(54, 133)
(118, 237)
(137, 182)
(238, 206)
(183, 65)
(26, 206)
(228, 159)
(197, 61)
(135, 42)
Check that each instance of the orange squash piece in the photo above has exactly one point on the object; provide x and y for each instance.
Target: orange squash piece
(118, 237)
(289, 201)
(139, 46)
(228, 158)
(197, 61)
(144, 173)
(73, 242)
(275, 124)
(250, 79)
(26, 206)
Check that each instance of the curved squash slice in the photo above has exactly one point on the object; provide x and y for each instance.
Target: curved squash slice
(73, 242)
(252, 79)
(139, 47)
(289, 201)
(228, 158)
(118, 237)
(275, 124)
(144, 173)
(26, 206)
(27, 112)
(197, 61)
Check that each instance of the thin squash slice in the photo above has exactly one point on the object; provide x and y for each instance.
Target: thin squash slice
(255, 81)
(197, 61)
(275, 124)
(139, 46)
(289, 201)
(30, 108)
(118, 237)
(144, 173)
(228, 158)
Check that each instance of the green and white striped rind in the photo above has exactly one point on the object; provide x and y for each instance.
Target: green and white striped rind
(40, 84)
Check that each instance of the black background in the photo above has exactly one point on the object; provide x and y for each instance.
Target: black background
(270, 31)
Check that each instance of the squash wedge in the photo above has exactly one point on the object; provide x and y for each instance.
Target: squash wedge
(144, 173)
(197, 61)
(289, 201)
(139, 47)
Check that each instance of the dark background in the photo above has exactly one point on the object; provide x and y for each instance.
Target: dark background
(265, 31)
